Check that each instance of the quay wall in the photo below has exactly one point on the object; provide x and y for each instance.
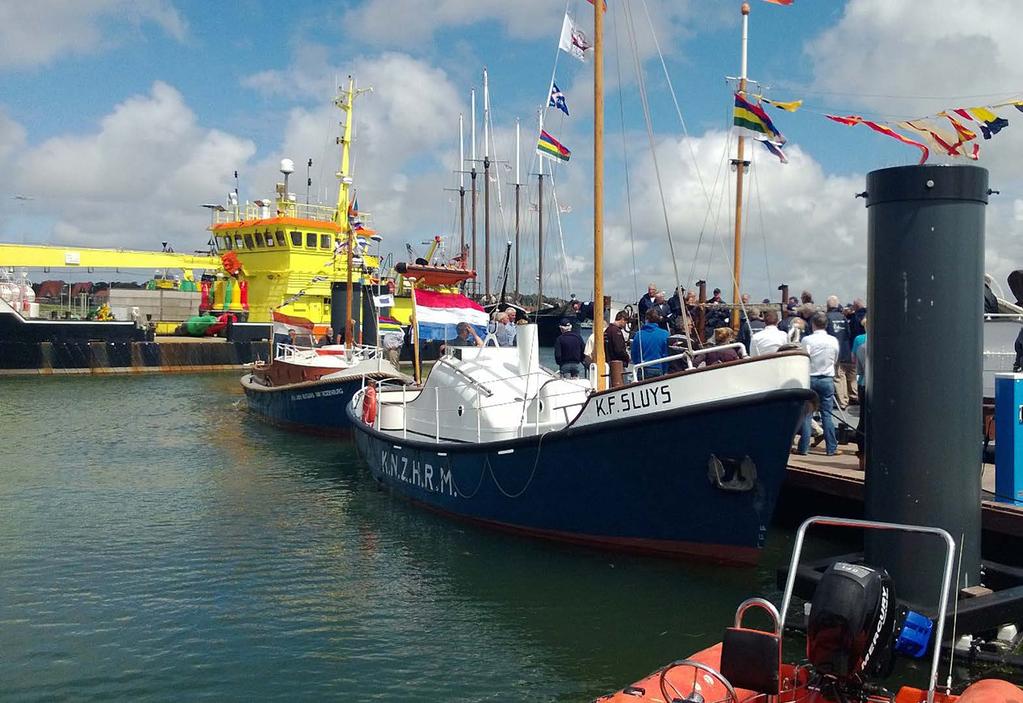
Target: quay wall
(97, 357)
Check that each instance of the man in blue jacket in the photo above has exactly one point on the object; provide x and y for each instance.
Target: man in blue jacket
(650, 343)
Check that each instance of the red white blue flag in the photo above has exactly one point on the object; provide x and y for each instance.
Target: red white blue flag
(439, 314)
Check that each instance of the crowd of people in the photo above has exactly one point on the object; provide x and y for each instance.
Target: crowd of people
(834, 336)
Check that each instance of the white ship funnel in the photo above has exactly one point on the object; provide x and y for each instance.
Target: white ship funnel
(529, 349)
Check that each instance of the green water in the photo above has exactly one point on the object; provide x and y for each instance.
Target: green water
(159, 543)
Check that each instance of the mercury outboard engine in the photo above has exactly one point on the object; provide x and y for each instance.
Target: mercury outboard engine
(855, 628)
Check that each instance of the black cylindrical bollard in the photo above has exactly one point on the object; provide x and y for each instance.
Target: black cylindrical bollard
(925, 278)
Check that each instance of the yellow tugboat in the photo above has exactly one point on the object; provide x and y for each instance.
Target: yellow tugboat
(286, 257)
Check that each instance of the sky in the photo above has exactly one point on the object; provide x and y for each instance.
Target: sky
(120, 118)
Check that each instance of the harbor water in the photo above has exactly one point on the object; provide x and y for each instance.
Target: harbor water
(159, 543)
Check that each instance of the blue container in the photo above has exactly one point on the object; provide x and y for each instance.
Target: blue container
(915, 635)
(1009, 438)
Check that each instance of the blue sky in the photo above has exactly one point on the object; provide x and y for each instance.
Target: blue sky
(119, 118)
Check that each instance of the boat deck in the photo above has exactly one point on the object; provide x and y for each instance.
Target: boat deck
(839, 477)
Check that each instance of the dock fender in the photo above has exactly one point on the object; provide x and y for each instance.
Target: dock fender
(369, 405)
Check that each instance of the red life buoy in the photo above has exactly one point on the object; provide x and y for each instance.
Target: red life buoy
(369, 405)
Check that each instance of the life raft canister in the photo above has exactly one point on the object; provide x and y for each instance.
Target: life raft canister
(369, 405)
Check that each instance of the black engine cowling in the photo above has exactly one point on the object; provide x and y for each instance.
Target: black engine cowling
(851, 628)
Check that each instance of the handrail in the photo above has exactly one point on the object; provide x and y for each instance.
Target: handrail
(946, 581)
(695, 353)
(471, 382)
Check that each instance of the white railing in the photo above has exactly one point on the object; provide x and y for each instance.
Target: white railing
(690, 357)
(252, 211)
(436, 424)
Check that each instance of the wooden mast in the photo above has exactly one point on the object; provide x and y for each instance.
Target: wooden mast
(740, 167)
(598, 193)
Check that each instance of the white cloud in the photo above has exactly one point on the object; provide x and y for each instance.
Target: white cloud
(136, 181)
(902, 59)
(34, 33)
(409, 23)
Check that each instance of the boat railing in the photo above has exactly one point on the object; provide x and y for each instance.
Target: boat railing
(256, 211)
(946, 580)
(691, 357)
(529, 418)
(285, 351)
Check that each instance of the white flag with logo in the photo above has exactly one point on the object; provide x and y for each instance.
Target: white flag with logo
(573, 40)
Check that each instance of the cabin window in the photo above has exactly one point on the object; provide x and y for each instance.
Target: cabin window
(296, 239)
(279, 235)
(269, 239)
(310, 240)
(248, 242)
(226, 242)
(238, 244)
(324, 241)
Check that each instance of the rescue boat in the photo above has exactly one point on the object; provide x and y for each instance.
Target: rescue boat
(855, 630)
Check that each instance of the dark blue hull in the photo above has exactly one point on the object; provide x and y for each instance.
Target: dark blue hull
(639, 484)
(316, 407)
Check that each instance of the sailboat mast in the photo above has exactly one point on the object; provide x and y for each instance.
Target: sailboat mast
(539, 237)
(486, 186)
(740, 166)
(518, 186)
(598, 192)
(461, 189)
(472, 185)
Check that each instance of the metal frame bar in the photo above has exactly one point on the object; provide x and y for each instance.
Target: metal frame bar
(946, 581)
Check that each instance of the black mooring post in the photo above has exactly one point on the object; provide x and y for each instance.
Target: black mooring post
(925, 273)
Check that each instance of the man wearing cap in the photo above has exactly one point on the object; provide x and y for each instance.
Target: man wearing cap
(568, 351)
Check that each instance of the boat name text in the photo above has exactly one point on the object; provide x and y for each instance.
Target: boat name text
(635, 399)
(320, 394)
(417, 473)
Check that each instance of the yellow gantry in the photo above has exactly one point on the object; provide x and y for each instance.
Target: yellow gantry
(54, 257)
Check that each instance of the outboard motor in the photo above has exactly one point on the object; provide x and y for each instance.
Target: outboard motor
(855, 627)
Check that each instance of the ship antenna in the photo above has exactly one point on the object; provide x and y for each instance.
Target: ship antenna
(955, 618)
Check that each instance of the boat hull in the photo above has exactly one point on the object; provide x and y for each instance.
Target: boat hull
(316, 407)
(642, 484)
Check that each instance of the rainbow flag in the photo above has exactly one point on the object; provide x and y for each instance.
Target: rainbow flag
(752, 119)
(551, 148)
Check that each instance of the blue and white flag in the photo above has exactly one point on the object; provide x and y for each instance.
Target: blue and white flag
(557, 99)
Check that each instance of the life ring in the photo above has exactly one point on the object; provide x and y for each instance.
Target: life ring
(369, 405)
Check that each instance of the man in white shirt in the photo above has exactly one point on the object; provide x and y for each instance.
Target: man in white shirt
(823, 351)
(767, 340)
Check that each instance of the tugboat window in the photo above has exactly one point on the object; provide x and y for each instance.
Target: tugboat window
(227, 242)
(280, 238)
(324, 241)
(296, 239)
(238, 244)
(269, 239)
(310, 240)
(248, 242)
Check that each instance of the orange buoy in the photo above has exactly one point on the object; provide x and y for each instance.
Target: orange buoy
(991, 691)
(369, 404)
